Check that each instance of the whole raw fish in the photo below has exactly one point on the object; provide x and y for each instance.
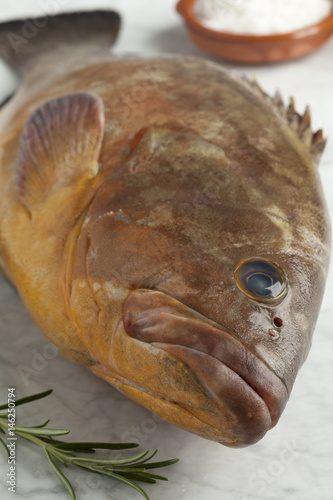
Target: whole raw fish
(164, 223)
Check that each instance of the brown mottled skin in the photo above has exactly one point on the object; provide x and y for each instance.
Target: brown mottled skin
(131, 271)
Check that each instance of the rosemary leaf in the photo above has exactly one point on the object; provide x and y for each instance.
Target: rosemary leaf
(42, 425)
(88, 451)
(144, 474)
(109, 461)
(121, 469)
(137, 477)
(37, 431)
(28, 399)
(50, 440)
(61, 476)
(97, 446)
(146, 459)
(5, 446)
(129, 482)
(165, 463)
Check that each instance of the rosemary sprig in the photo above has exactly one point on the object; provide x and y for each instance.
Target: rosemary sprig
(60, 453)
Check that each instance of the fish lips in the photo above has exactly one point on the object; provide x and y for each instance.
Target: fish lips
(247, 387)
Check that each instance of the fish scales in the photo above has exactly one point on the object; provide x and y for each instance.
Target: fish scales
(164, 223)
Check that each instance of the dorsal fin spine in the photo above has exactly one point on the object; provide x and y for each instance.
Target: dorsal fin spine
(300, 124)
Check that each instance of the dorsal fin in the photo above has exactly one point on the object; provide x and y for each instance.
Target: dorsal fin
(60, 145)
(300, 124)
(24, 41)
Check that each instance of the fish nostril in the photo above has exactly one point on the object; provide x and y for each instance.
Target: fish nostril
(274, 334)
(278, 322)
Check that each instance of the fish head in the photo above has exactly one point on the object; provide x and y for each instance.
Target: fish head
(206, 302)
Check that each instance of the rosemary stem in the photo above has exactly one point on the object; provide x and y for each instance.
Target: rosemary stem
(4, 424)
(30, 437)
(127, 470)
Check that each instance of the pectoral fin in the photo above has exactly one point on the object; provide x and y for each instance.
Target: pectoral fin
(60, 146)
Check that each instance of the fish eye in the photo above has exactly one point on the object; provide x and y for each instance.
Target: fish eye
(261, 279)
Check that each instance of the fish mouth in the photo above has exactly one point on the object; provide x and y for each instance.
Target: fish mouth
(247, 388)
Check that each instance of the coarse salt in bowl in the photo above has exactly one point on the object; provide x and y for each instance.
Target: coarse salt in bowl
(258, 31)
(261, 17)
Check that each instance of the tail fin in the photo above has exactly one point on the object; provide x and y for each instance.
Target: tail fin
(22, 42)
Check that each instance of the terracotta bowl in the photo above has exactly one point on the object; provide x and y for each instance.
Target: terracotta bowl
(255, 49)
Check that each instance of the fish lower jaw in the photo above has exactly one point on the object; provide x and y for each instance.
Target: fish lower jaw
(172, 412)
(249, 396)
(238, 402)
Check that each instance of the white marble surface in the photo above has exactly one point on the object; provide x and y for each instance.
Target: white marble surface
(295, 460)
